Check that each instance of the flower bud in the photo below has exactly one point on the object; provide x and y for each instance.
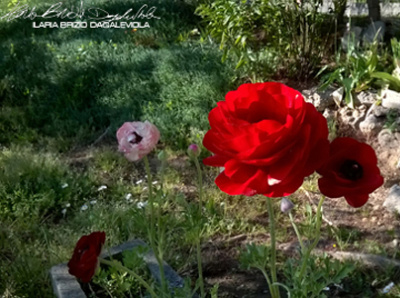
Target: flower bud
(286, 205)
(162, 155)
(193, 150)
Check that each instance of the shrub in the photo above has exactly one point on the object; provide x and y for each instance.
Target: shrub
(266, 36)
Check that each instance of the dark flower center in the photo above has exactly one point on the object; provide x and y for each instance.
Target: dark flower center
(136, 139)
(351, 170)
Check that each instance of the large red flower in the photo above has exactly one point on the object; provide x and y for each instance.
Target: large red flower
(351, 171)
(267, 138)
(84, 261)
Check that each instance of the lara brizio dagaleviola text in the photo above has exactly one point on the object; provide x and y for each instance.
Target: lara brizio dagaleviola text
(79, 12)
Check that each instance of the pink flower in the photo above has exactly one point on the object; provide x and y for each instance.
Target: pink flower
(137, 139)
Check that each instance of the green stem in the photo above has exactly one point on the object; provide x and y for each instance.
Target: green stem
(316, 240)
(266, 278)
(296, 231)
(198, 242)
(157, 252)
(151, 200)
(200, 269)
(200, 179)
(273, 288)
(122, 268)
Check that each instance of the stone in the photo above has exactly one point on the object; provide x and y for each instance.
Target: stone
(391, 99)
(392, 201)
(337, 96)
(352, 117)
(380, 111)
(64, 284)
(329, 114)
(367, 98)
(387, 139)
(371, 125)
(320, 99)
(374, 31)
(395, 243)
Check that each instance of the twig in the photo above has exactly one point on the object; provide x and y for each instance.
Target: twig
(101, 137)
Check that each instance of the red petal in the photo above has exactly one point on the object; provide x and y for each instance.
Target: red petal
(357, 201)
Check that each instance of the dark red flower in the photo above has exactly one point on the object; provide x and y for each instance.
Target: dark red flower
(267, 138)
(351, 171)
(84, 261)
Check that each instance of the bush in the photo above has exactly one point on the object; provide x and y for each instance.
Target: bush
(32, 186)
(268, 36)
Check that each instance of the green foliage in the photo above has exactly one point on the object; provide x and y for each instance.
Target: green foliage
(31, 185)
(94, 79)
(255, 256)
(115, 283)
(392, 79)
(391, 120)
(321, 272)
(344, 236)
(265, 36)
(355, 72)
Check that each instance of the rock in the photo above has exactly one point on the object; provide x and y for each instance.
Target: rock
(367, 98)
(375, 31)
(371, 125)
(392, 202)
(64, 284)
(380, 111)
(337, 96)
(351, 36)
(387, 139)
(329, 114)
(391, 99)
(320, 99)
(352, 117)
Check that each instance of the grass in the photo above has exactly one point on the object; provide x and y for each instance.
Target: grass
(93, 79)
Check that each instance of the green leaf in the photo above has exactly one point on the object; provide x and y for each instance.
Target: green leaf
(394, 82)
(241, 62)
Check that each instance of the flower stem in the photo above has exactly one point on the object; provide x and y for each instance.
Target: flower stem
(200, 180)
(157, 252)
(264, 272)
(316, 240)
(296, 231)
(198, 242)
(122, 268)
(273, 288)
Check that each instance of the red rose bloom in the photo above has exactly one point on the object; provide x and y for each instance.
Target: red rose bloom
(83, 263)
(351, 171)
(267, 138)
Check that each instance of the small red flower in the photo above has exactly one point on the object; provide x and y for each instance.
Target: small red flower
(84, 261)
(351, 171)
(267, 139)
